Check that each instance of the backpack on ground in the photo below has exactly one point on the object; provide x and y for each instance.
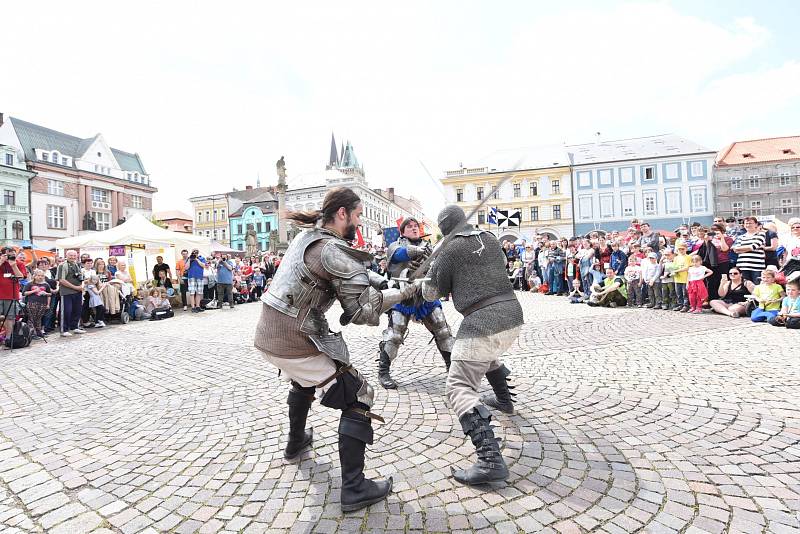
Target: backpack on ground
(22, 336)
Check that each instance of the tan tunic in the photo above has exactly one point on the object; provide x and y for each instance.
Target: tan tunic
(279, 334)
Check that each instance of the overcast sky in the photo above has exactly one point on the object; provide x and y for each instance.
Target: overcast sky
(211, 94)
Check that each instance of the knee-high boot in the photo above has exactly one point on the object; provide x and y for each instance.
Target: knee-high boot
(490, 466)
(299, 402)
(502, 398)
(355, 431)
(384, 365)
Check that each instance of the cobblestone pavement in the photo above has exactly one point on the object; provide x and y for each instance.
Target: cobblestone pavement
(628, 420)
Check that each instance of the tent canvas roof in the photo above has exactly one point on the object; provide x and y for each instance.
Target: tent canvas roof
(216, 246)
(136, 230)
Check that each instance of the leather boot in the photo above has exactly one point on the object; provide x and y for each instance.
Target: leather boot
(384, 364)
(502, 398)
(490, 466)
(446, 358)
(299, 402)
(355, 431)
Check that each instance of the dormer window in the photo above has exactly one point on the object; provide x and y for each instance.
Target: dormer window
(747, 155)
(54, 156)
(788, 151)
(99, 155)
(45, 156)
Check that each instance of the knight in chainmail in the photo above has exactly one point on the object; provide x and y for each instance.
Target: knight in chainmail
(405, 255)
(318, 268)
(471, 267)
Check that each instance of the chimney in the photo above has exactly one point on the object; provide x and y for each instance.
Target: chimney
(390, 190)
(248, 188)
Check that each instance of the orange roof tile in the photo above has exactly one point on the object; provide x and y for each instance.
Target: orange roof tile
(760, 151)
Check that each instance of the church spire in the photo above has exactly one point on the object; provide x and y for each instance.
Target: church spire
(333, 160)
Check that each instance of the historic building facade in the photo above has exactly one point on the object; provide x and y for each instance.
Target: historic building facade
(175, 221)
(760, 177)
(80, 184)
(537, 183)
(15, 213)
(260, 215)
(663, 179)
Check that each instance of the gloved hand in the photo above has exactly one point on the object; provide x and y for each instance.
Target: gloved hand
(411, 289)
(416, 252)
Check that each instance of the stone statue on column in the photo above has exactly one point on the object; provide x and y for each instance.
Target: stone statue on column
(281, 188)
(251, 240)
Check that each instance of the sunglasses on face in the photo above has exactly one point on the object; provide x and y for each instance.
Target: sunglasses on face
(734, 273)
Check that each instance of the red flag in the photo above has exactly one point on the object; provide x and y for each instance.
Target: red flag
(399, 222)
(359, 238)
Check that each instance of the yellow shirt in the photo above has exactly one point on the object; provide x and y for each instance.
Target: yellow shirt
(682, 261)
(768, 292)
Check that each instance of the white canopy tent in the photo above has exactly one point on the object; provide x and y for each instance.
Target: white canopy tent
(137, 230)
(143, 241)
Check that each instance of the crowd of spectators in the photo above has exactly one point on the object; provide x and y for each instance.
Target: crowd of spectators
(73, 293)
(746, 270)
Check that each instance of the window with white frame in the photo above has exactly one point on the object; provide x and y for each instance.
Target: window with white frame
(208, 233)
(534, 189)
(628, 204)
(64, 161)
(673, 200)
(696, 168)
(738, 209)
(55, 187)
(459, 195)
(222, 214)
(649, 174)
(102, 219)
(223, 233)
(557, 211)
(785, 179)
(555, 186)
(45, 156)
(650, 203)
(517, 190)
(755, 207)
(208, 216)
(786, 206)
(101, 195)
(753, 181)
(55, 217)
(672, 171)
(585, 179)
(585, 207)
(626, 175)
(606, 206)
(534, 213)
(137, 201)
(698, 199)
(214, 234)
(736, 183)
(199, 216)
(605, 177)
(479, 193)
(10, 160)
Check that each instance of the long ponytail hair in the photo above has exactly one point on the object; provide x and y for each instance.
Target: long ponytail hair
(338, 197)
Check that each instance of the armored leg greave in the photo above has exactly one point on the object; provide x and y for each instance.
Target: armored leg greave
(384, 365)
(392, 339)
(490, 466)
(502, 399)
(299, 402)
(355, 432)
(436, 323)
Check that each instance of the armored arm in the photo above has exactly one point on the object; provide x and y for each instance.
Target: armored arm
(377, 281)
(362, 303)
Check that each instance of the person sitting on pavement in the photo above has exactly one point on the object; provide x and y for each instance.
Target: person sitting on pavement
(612, 293)
(789, 314)
(733, 291)
(768, 295)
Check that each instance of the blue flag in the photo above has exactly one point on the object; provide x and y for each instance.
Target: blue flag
(391, 234)
(492, 219)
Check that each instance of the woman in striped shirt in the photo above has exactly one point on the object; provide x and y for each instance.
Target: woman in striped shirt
(750, 248)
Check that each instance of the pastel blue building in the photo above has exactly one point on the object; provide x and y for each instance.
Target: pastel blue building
(261, 215)
(662, 179)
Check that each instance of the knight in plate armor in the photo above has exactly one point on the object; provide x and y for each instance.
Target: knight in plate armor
(319, 267)
(405, 255)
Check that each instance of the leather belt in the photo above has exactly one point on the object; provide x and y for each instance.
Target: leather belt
(494, 299)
